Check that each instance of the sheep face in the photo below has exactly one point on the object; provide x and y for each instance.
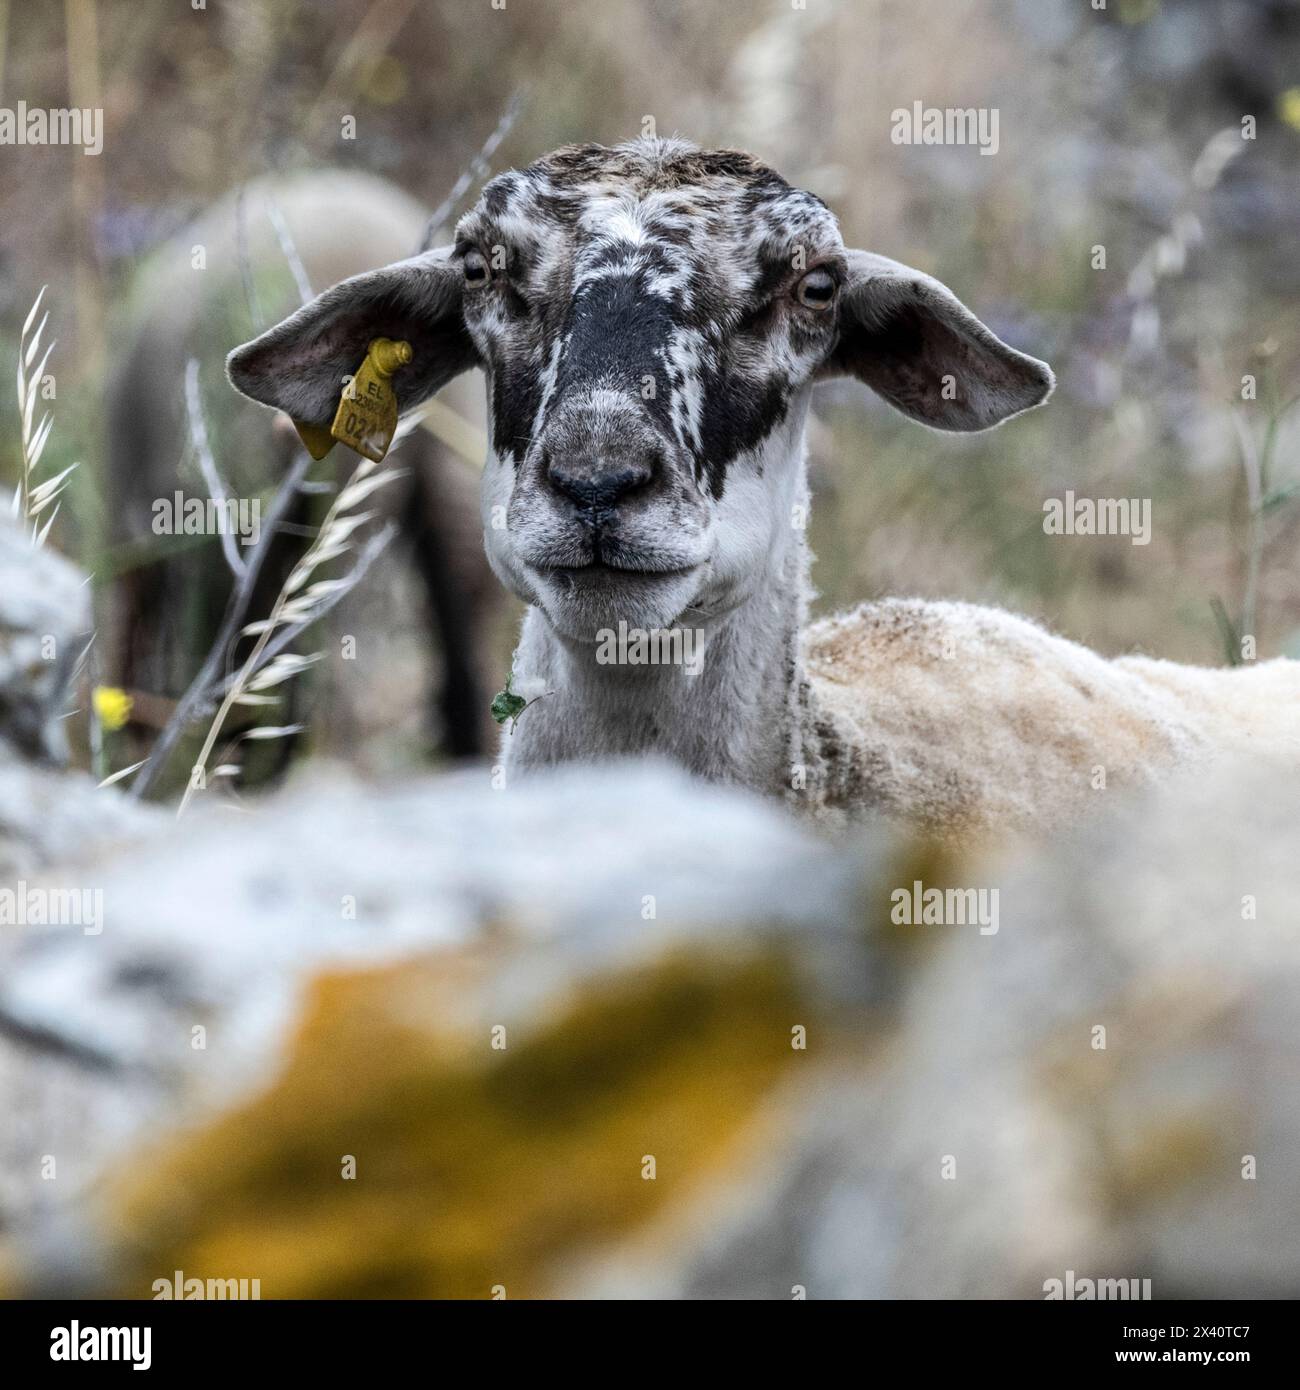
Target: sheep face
(651, 319)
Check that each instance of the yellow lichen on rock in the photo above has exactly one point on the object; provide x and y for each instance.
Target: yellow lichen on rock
(474, 1167)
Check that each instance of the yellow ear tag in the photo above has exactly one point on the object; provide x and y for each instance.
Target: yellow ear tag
(366, 419)
(367, 415)
(317, 440)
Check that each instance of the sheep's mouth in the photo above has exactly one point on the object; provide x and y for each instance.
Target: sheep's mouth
(599, 581)
(596, 568)
(612, 559)
(583, 600)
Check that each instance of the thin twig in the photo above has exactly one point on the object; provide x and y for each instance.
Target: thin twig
(285, 238)
(89, 662)
(198, 692)
(1255, 536)
(366, 557)
(475, 170)
(293, 601)
(208, 466)
(251, 302)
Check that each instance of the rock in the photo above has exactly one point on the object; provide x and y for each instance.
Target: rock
(48, 817)
(1131, 1161)
(422, 915)
(44, 627)
(612, 1033)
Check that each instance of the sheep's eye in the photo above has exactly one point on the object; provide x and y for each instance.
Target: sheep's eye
(477, 270)
(816, 290)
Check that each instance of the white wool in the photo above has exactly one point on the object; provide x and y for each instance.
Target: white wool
(970, 719)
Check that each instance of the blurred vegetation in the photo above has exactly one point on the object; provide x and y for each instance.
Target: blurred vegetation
(1108, 126)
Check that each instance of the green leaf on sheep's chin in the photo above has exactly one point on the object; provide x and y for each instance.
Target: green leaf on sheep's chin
(506, 704)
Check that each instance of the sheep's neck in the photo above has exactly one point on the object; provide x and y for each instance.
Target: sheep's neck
(736, 720)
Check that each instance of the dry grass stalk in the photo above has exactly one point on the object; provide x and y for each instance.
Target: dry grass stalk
(300, 601)
(32, 499)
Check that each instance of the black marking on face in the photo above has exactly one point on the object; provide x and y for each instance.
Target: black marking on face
(735, 420)
(614, 336)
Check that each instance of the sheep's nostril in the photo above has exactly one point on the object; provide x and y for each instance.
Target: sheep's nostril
(598, 487)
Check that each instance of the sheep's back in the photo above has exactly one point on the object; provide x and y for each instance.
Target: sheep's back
(969, 718)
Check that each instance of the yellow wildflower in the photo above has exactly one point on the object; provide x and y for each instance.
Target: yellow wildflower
(112, 705)
(1288, 107)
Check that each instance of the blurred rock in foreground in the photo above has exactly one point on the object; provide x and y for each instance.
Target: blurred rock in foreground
(44, 627)
(612, 922)
(617, 1034)
(1164, 1148)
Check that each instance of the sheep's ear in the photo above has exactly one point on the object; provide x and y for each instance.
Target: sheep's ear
(299, 365)
(916, 344)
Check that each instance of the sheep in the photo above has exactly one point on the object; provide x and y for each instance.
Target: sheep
(651, 319)
(979, 720)
(164, 612)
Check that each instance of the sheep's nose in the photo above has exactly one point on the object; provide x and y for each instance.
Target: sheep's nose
(599, 486)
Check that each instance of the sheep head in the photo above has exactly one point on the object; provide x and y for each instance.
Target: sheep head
(650, 319)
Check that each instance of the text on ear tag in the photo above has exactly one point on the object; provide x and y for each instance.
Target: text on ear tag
(367, 415)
